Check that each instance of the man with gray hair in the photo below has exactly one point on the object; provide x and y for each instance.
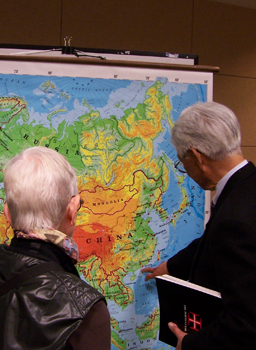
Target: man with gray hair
(43, 302)
(207, 140)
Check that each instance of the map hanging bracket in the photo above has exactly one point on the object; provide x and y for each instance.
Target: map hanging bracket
(67, 49)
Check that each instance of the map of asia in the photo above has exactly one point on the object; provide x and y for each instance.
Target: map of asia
(138, 209)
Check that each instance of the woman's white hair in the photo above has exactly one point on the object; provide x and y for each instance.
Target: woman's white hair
(210, 127)
(38, 183)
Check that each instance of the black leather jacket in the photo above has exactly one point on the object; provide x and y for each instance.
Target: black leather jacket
(45, 310)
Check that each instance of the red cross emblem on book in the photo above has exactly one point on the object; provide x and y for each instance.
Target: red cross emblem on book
(194, 320)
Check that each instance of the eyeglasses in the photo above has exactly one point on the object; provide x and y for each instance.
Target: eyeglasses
(179, 166)
(80, 203)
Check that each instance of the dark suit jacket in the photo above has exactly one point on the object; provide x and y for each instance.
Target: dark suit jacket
(224, 259)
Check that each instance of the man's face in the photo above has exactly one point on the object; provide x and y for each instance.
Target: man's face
(196, 171)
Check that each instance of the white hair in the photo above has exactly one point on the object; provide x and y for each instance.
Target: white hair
(38, 183)
(211, 128)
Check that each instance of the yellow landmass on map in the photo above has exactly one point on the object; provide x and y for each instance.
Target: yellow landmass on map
(156, 108)
(6, 232)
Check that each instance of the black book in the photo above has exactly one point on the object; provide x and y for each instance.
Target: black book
(190, 306)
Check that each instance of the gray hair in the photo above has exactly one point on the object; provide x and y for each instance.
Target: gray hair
(38, 183)
(211, 128)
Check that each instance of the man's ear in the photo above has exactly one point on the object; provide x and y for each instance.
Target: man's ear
(198, 156)
(73, 217)
(7, 213)
(72, 211)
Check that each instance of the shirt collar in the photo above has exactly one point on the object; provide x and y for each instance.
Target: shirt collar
(221, 184)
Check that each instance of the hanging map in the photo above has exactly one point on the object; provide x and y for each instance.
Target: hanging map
(114, 126)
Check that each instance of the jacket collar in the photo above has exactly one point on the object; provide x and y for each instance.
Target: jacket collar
(234, 181)
(44, 251)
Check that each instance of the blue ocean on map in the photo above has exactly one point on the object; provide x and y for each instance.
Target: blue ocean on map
(97, 91)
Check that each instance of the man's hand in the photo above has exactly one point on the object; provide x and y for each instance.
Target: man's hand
(179, 334)
(156, 271)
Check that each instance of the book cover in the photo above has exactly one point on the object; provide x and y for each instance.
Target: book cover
(190, 306)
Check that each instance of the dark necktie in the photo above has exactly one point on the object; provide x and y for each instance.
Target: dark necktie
(213, 208)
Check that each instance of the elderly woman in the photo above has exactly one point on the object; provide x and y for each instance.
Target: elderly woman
(43, 302)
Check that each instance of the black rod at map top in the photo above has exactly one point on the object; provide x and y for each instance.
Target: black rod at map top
(81, 51)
